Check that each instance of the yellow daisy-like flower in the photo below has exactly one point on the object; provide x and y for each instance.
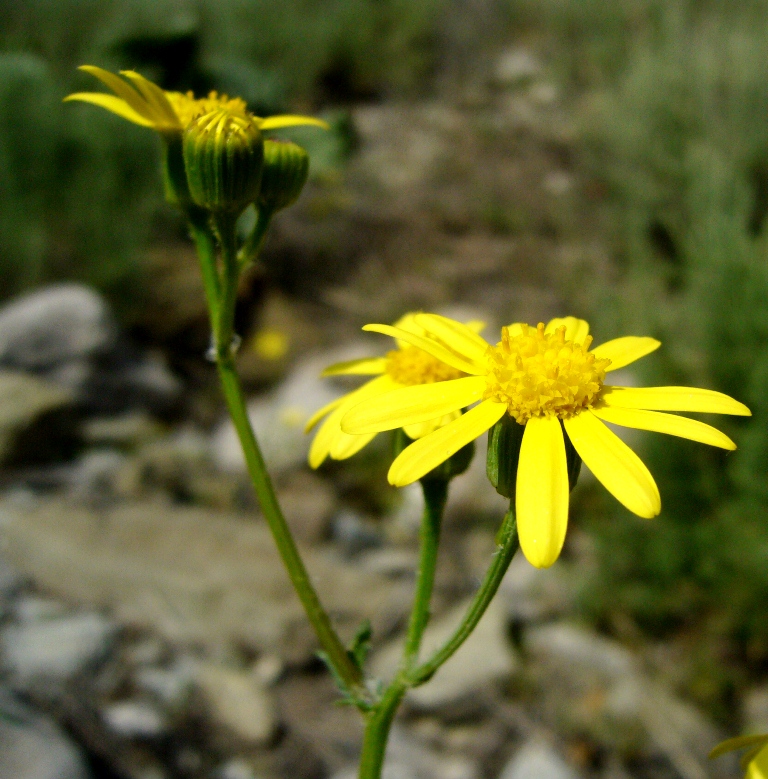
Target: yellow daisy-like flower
(140, 101)
(754, 761)
(405, 366)
(548, 379)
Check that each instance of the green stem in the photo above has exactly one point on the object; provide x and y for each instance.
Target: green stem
(222, 316)
(255, 241)
(377, 729)
(206, 252)
(435, 496)
(508, 544)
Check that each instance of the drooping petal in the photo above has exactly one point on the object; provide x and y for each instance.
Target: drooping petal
(542, 491)
(290, 120)
(738, 742)
(345, 445)
(673, 399)
(427, 453)
(121, 89)
(613, 463)
(575, 329)
(665, 423)
(463, 363)
(454, 335)
(367, 366)
(330, 437)
(420, 429)
(410, 405)
(623, 351)
(321, 412)
(113, 104)
(155, 98)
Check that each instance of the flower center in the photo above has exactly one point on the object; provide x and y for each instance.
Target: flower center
(188, 107)
(410, 365)
(541, 374)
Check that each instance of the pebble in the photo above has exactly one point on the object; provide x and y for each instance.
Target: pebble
(134, 719)
(536, 759)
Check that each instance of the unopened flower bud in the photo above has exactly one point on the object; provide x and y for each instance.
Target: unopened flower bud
(223, 157)
(504, 441)
(286, 166)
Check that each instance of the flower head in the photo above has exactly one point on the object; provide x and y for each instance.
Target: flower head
(140, 101)
(408, 365)
(548, 379)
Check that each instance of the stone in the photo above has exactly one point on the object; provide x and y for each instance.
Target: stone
(516, 65)
(238, 702)
(33, 747)
(355, 534)
(55, 648)
(54, 325)
(191, 575)
(125, 431)
(171, 686)
(484, 659)
(24, 399)
(536, 759)
(533, 594)
(308, 502)
(134, 720)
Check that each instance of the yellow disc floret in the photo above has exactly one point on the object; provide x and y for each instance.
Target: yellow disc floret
(410, 365)
(540, 374)
(188, 107)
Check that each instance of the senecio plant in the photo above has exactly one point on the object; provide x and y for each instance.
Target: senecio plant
(540, 391)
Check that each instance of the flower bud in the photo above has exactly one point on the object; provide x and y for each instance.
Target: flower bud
(455, 465)
(223, 157)
(504, 441)
(286, 166)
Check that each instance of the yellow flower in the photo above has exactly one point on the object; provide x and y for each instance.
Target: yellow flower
(140, 101)
(405, 366)
(549, 380)
(754, 761)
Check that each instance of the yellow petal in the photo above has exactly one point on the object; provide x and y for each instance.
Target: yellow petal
(330, 436)
(542, 491)
(121, 89)
(739, 742)
(113, 104)
(155, 98)
(674, 399)
(345, 445)
(321, 412)
(758, 766)
(290, 120)
(476, 325)
(367, 366)
(410, 405)
(623, 351)
(665, 423)
(431, 347)
(455, 336)
(427, 453)
(575, 329)
(420, 429)
(613, 463)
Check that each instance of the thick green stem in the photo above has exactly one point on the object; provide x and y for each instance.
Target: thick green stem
(377, 730)
(435, 496)
(222, 316)
(508, 544)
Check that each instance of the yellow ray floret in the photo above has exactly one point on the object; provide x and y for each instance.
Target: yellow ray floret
(406, 367)
(142, 102)
(549, 379)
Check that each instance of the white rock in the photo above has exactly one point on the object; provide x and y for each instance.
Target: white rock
(134, 719)
(515, 65)
(485, 658)
(537, 760)
(55, 648)
(239, 702)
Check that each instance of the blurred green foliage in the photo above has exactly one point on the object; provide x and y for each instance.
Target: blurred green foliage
(675, 128)
(78, 197)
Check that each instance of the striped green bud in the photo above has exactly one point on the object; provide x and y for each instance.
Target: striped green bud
(286, 166)
(223, 157)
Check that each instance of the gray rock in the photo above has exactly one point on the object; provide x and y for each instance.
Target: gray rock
(532, 594)
(537, 760)
(171, 686)
(238, 702)
(134, 720)
(23, 400)
(33, 747)
(55, 648)
(484, 659)
(516, 65)
(55, 325)
(354, 533)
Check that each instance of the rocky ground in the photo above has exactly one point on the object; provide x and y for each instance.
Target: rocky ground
(147, 629)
